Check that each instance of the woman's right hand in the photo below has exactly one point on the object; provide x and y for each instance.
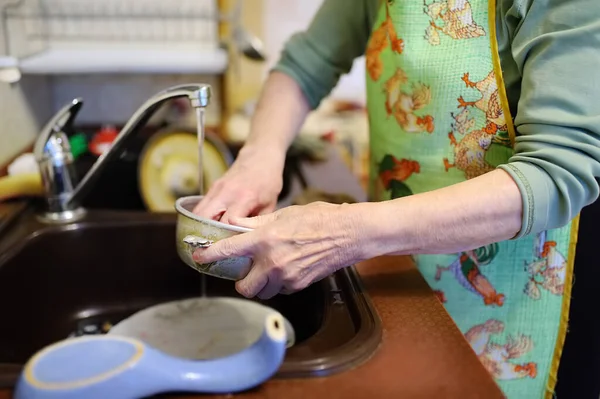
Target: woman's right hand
(249, 188)
(253, 183)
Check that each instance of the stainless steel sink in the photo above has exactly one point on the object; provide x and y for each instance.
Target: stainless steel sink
(60, 281)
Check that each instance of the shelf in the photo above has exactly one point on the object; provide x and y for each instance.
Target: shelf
(120, 60)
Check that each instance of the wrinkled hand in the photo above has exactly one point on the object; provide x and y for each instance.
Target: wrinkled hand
(250, 187)
(291, 248)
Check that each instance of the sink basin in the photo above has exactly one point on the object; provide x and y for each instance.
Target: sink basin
(61, 281)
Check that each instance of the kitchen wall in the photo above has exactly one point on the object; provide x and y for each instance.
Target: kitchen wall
(282, 19)
(24, 107)
(112, 99)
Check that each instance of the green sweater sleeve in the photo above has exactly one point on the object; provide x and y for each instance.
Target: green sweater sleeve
(556, 49)
(337, 35)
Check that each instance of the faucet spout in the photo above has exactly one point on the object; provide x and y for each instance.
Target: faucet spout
(65, 205)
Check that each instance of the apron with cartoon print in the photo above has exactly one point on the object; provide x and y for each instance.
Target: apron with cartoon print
(438, 115)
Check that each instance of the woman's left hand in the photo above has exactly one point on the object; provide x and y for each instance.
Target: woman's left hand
(291, 248)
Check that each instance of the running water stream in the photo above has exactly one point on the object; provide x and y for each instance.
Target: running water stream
(200, 135)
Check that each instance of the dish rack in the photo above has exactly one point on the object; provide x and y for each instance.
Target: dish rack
(112, 36)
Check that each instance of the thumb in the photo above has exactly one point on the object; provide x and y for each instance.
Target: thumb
(238, 245)
(254, 222)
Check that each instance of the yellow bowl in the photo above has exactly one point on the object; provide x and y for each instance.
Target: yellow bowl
(195, 232)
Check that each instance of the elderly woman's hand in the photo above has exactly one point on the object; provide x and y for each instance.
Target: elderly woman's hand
(291, 248)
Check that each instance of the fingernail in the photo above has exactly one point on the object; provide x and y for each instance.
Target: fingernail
(241, 289)
(196, 256)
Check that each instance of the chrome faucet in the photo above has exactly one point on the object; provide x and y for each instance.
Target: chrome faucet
(64, 194)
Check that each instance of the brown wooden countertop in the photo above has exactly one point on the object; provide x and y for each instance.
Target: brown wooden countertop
(422, 355)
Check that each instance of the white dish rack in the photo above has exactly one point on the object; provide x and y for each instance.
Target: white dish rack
(111, 36)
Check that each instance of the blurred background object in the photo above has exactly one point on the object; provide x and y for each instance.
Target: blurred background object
(116, 53)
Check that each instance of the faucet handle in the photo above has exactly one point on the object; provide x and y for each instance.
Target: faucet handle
(55, 161)
(62, 121)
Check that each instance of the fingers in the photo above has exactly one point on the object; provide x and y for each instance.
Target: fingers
(274, 284)
(286, 291)
(238, 245)
(254, 222)
(265, 283)
(253, 283)
(239, 209)
(311, 277)
(267, 209)
(209, 208)
(223, 206)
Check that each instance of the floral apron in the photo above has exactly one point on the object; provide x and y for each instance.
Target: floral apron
(438, 115)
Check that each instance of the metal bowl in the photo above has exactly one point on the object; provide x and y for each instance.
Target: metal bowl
(195, 232)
